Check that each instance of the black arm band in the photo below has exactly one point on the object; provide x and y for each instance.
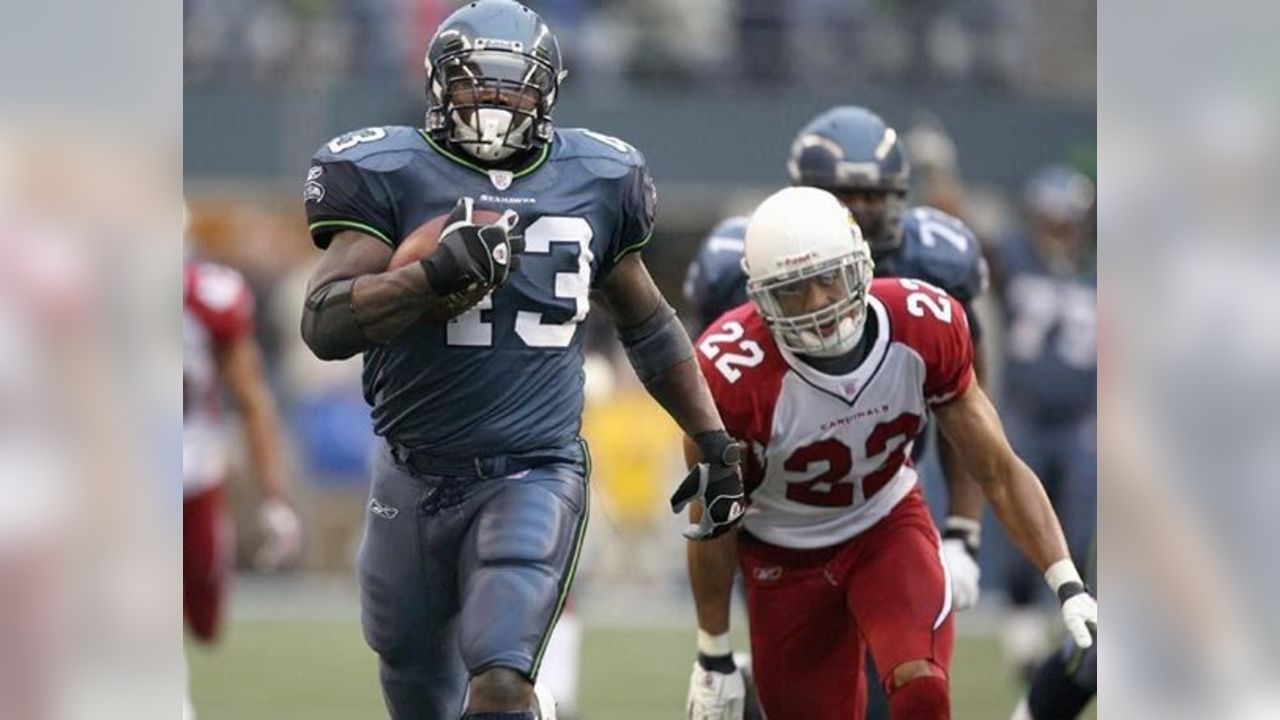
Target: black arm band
(329, 324)
(657, 344)
(722, 664)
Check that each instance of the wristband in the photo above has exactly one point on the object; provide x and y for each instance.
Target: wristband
(1060, 574)
(966, 530)
(714, 645)
(718, 447)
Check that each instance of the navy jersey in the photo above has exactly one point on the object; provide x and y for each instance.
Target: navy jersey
(1051, 337)
(936, 247)
(506, 376)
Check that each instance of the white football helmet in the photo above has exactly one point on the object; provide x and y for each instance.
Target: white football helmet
(797, 237)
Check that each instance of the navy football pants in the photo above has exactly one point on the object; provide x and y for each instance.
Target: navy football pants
(459, 575)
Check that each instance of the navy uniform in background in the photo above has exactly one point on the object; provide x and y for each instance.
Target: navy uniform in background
(1046, 279)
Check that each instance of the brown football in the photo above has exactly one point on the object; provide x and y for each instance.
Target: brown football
(424, 240)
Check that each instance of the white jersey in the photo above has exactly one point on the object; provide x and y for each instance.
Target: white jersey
(830, 455)
(217, 310)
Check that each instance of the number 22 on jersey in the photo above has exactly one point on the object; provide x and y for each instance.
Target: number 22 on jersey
(728, 363)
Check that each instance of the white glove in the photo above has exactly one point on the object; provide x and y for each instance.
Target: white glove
(1080, 613)
(715, 696)
(960, 552)
(1079, 609)
(281, 535)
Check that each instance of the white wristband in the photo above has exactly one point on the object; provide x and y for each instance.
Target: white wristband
(1061, 573)
(714, 645)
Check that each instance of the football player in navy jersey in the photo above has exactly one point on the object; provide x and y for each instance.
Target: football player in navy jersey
(1046, 279)
(473, 359)
(852, 153)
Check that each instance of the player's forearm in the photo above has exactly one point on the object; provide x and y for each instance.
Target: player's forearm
(712, 564)
(344, 317)
(683, 393)
(964, 494)
(262, 431)
(1024, 511)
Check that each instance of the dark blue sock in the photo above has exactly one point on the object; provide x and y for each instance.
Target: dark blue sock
(523, 715)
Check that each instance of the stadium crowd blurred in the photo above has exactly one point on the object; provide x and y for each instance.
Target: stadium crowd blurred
(1016, 44)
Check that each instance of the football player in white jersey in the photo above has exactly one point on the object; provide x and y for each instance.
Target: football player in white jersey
(828, 377)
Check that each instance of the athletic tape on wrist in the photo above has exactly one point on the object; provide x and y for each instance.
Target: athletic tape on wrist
(1060, 573)
(714, 645)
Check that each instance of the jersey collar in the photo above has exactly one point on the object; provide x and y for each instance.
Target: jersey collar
(515, 174)
(849, 386)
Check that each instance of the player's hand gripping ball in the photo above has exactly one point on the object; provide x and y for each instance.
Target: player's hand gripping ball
(473, 253)
(717, 481)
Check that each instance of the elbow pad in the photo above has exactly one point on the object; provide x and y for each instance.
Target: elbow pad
(657, 344)
(329, 324)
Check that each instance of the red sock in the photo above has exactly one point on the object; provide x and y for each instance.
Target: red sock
(923, 698)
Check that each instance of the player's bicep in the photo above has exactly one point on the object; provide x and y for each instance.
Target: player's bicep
(971, 422)
(350, 254)
(629, 293)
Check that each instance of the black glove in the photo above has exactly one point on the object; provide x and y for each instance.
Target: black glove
(716, 481)
(471, 254)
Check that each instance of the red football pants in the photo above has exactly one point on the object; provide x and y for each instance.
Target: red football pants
(206, 561)
(815, 613)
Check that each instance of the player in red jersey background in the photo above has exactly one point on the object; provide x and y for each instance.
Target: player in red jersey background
(828, 377)
(219, 350)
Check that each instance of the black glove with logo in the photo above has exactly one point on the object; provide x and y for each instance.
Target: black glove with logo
(472, 254)
(717, 481)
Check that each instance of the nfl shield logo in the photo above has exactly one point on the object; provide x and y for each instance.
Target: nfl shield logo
(501, 179)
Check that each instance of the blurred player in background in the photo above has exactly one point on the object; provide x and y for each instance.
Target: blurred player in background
(1047, 283)
(851, 152)
(829, 377)
(473, 358)
(219, 352)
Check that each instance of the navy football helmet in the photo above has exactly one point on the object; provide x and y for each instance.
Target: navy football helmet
(849, 150)
(715, 282)
(493, 76)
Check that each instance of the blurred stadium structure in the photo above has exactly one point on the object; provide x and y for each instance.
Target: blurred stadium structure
(986, 91)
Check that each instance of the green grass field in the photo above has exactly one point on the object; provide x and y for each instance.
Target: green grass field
(321, 670)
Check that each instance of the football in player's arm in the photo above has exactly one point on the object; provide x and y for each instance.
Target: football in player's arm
(769, 390)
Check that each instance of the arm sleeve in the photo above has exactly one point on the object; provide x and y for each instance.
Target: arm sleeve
(340, 195)
(638, 207)
(949, 362)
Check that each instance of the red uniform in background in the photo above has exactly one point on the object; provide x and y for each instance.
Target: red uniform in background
(217, 310)
(839, 552)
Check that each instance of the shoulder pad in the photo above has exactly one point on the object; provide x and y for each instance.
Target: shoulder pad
(934, 325)
(743, 370)
(377, 148)
(602, 154)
